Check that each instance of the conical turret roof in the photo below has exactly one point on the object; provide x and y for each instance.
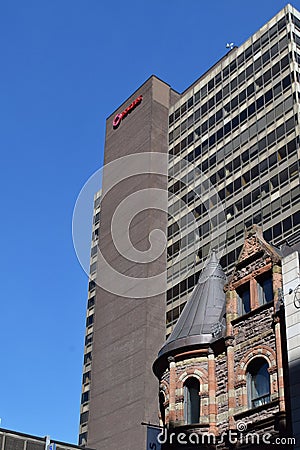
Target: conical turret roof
(204, 309)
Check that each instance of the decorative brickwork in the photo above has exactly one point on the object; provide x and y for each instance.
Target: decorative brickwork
(221, 391)
(224, 366)
(256, 257)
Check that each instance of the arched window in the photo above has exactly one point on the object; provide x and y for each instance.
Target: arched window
(258, 383)
(191, 400)
(162, 406)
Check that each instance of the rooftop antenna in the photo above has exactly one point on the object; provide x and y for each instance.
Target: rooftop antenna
(230, 45)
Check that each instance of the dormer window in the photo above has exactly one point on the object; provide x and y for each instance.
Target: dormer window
(191, 401)
(265, 289)
(254, 293)
(244, 305)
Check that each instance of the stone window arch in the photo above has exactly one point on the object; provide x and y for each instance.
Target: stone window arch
(163, 399)
(201, 375)
(241, 384)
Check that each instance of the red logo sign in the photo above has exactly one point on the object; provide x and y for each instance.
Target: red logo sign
(119, 117)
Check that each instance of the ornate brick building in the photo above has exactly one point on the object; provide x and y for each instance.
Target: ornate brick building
(222, 372)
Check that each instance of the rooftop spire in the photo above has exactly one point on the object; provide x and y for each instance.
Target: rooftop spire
(203, 309)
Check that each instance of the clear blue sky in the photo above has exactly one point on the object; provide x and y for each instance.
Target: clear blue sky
(65, 66)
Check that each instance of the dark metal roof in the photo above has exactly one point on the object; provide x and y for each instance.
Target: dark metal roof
(204, 309)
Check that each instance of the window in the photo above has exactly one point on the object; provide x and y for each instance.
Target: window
(93, 267)
(91, 302)
(86, 378)
(84, 417)
(83, 439)
(90, 320)
(87, 358)
(92, 285)
(94, 250)
(244, 299)
(265, 290)
(85, 397)
(258, 383)
(89, 339)
(191, 401)
(162, 406)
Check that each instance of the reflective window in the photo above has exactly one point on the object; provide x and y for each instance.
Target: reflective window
(265, 289)
(258, 383)
(244, 299)
(191, 401)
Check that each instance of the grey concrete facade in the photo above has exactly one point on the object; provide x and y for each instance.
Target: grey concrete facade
(127, 332)
(291, 281)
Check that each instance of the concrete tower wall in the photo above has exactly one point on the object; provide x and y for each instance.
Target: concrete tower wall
(128, 332)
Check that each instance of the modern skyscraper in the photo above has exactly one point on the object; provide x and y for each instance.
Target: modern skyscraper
(234, 138)
(233, 144)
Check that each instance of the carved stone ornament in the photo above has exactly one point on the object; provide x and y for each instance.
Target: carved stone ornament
(276, 318)
(229, 341)
(251, 246)
(255, 255)
(204, 394)
(252, 268)
(240, 384)
(272, 369)
(275, 386)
